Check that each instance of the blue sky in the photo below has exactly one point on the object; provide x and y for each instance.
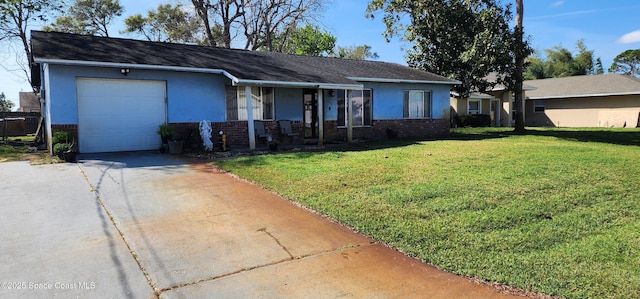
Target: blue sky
(607, 27)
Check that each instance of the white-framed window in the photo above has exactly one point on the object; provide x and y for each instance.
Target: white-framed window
(361, 113)
(538, 106)
(417, 104)
(474, 107)
(262, 102)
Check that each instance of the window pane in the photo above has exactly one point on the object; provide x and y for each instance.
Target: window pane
(474, 107)
(267, 103)
(231, 99)
(426, 103)
(242, 104)
(256, 101)
(342, 107)
(416, 101)
(357, 108)
(367, 107)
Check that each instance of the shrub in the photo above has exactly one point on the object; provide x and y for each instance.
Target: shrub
(474, 120)
(60, 148)
(60, 137)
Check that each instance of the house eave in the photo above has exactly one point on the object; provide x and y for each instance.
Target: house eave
(313, 85)
(582, 95)
(236, 81)
(385, 80)
(136, 66)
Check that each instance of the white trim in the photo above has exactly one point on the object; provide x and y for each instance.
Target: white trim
(479, 105)
(236, 81)
(584, 95)
(310, 85)
(537, 104)
(383, 80)
(138, 66)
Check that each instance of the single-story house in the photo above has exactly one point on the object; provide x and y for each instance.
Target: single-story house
(113, 93)
(607, 100)
(498, 103)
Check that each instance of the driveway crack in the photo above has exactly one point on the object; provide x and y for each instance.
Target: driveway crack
(264, 229)
(278, 262)
(117, 228)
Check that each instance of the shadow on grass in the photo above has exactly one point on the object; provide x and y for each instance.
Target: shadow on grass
(612, 136)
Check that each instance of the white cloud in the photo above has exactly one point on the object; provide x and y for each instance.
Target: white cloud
(558, 3)
(631, 37)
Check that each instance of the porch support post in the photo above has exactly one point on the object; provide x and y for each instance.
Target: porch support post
(320, 117)
(250, 125)
(348, 117)
(498, 112)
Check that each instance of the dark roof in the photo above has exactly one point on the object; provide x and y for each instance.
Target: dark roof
(583, 86)
(54, 47)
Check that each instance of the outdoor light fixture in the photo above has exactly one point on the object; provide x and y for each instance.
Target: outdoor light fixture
(332, 93)
(124, 71)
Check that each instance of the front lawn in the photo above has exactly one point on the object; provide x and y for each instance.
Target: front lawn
(555, 211)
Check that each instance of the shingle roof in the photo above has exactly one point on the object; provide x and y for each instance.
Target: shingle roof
(583, 86)
(242, 64)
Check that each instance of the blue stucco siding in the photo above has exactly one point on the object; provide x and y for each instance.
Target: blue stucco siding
(388, 99)
(191, 97)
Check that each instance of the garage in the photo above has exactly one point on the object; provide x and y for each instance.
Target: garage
(119, 115)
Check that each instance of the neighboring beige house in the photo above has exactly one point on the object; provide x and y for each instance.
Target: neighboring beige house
(498, 103)
(29, 102)
(608, 100)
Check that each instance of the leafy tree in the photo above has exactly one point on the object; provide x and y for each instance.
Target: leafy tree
(598, 68)
(90, 17)
(261, 24)
(308, 40)
(560, 62)
(15, 18)
(362, 52)
(167, 23)
(465, 40)
(584, 61)
(627, 63)
(5, 105)
(535, 68)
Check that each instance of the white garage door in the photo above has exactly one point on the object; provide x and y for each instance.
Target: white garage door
(119, 115)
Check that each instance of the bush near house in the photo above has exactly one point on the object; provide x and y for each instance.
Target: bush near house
(552, 210)
(474, 120)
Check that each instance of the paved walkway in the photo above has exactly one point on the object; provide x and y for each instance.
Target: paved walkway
(143, 225)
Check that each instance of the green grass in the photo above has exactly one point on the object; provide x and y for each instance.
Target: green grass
(14, 149)
(555, 211)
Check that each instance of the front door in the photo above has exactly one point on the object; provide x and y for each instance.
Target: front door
(310, 113)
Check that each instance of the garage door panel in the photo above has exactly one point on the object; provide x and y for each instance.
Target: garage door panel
(119, 115)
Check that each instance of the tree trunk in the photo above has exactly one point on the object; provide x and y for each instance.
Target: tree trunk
(519, 101)
(202, 9)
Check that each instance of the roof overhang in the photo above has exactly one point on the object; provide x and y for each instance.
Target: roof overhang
(136, 66)
(385, 80)
(318, 85)
(583, 95)
(236, 81)
(474, 95)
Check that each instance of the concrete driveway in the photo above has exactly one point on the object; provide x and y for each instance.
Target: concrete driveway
(144, 225)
